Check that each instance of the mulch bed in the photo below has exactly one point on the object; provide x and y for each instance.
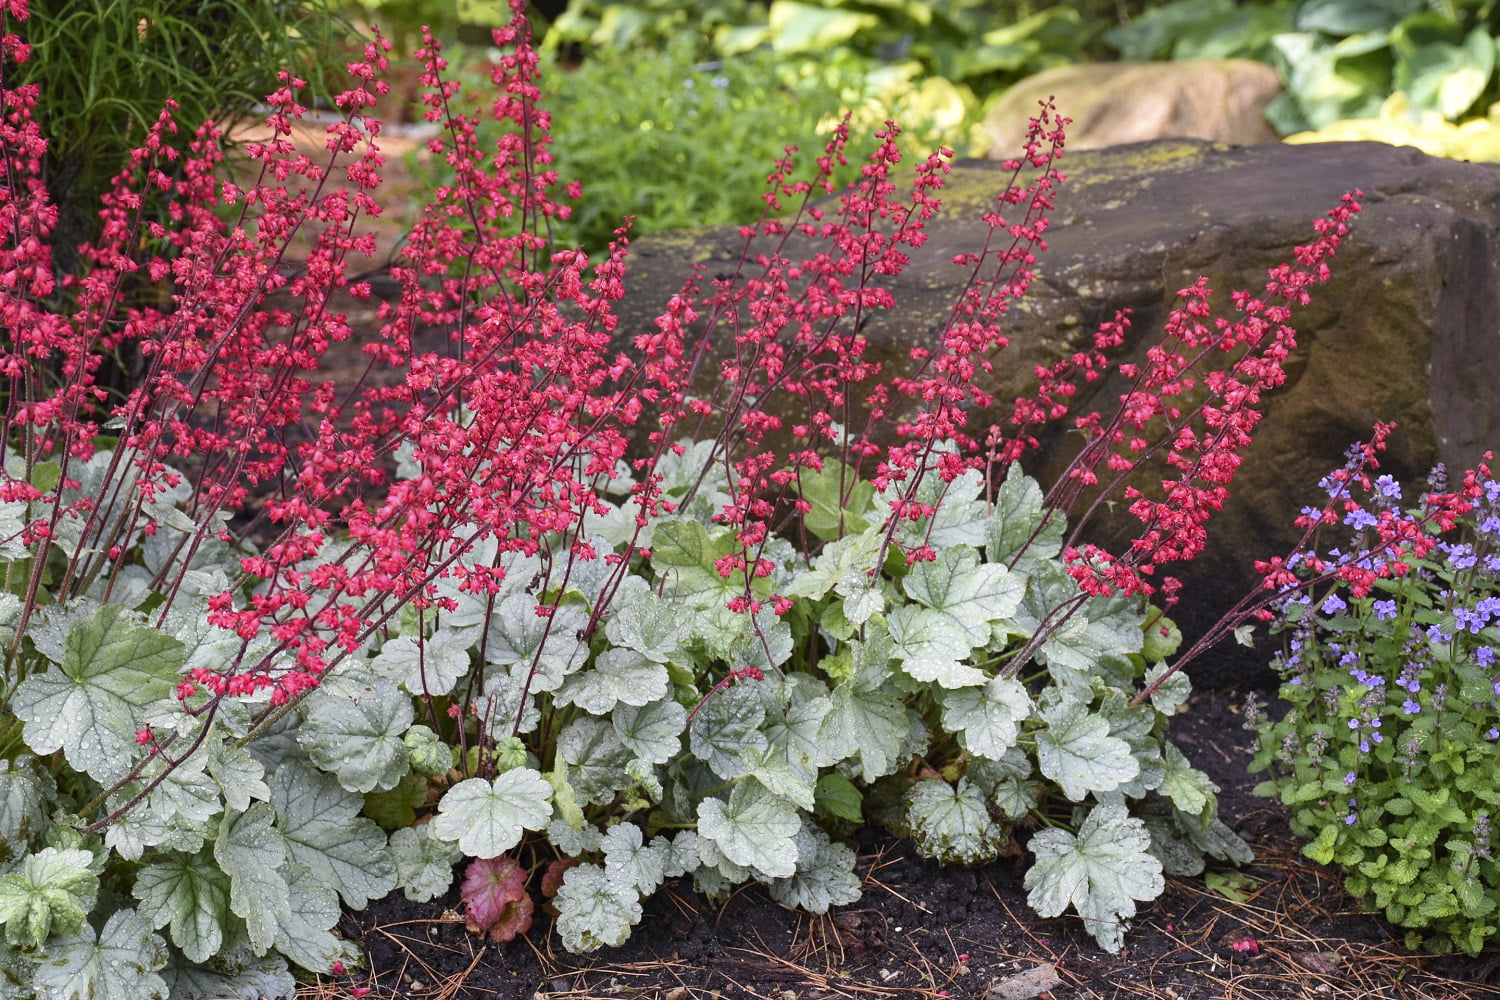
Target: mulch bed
(924, 931)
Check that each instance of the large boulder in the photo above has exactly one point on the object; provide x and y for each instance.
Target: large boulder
(1408, 329)
(1114, 103)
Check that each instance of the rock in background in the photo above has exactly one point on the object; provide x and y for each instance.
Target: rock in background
(1114, 103)
(1408, 330)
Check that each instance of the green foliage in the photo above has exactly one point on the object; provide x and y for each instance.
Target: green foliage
(106, 69)
(1338, 59)
(1388, 756)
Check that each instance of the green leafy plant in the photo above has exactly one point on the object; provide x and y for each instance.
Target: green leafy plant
(1388, 754)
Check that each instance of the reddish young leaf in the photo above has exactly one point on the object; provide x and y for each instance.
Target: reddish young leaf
(552, 876)
(495, 898)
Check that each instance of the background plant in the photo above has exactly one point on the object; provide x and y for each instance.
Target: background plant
(596, 622)
(1388, 753)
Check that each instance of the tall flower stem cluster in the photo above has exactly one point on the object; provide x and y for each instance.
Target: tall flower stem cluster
(716, 570)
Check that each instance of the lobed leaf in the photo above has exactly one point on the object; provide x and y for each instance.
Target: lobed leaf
(953, 823)
(594, 911)
(189, 896)
(754, 829)
(424, 864)
(1076, 751)
(361, 739)
(322, 830)
(486, 818)
(119, 964)
(50, 894)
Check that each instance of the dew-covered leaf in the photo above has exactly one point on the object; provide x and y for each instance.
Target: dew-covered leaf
(596, 759)
(952, 823)
(25, 802)
(191, 894)
(486, 818)
(51, 893)
(971, 595)
(595, 911)
(1188, 788)
(431, 666)
(1173, 692)
(359, 740)
(517, 632)
(837, 499)
(1014, 523)
(1101, 872)
(112, 668)
(424, 864)
(120, 964)
(253, 979)
(240, 776)
(871, 727)
(986, 720)
(252, 852)
(726, 735)
(930, 646)
(616, 676)
(645, 623)
(628, 859)
(753, 829)
(843, 562)
(1076, 751)
(824, 879)
(322, 829)
(652, 732)
(304, 928)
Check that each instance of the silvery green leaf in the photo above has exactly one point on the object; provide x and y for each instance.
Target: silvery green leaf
(929, 646)
(649, 625)
(763, 640)
(251, 980)
(986, 720)
(252, 852)
(1215, 839)
(502, 699)
(303, 932)
(872, 656)
(51, 893)
(1015, 797)
(1076, 751)
(517, 633)
(1101, 872)
(50, 625)
(186, 795)
(617, 675)
(25, 803)
(727, 729)
(1174, 691)
(683, 555)
(970, 594)
(573, 842)
(324, 832)
(644, 776)
(145, 826)
(486, 818)
(424, 864)
(870, 726)
(359, 740)
(595, 911)
(952, 824)
(431, 666)
(191, 894)
(824, 879)
(653, 732)
(793, 783)
(10, 617)
(961, 516)
(850, 556)
(1100, 628)
(753, 829)
(120, 964)
(628, 859)
(13, 519)
(862, 598)
(596, 759)
(112, 668)
(1013, 526)
(430, 756)
(681, 855)
(1188, 788)
(1180, 857)
(241, 777)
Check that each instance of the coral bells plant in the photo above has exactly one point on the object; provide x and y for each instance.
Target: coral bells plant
(525, 591)
(1389, 753)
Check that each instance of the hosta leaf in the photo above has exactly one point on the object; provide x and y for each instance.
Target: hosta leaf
(930, 646)
(1190, 789)
(753, 829)
(25, 801)
(824, 879)
(424, 864)
(427, 666)
(252, 852)
(51, 893)
(725, 734)
(112, 668)
(486, 818)
(191, 894)
(629, 860)
(652, 732)
(120, 964)
(304, 928)
(617, 675)
(871, 727)
(595, 911)
(359, 740)
(986, 720)
(1077, 752)
(969, 594)
(323, 830)
(1101, 872)
(952, 823)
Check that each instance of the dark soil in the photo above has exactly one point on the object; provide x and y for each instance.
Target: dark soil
(922, 930)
